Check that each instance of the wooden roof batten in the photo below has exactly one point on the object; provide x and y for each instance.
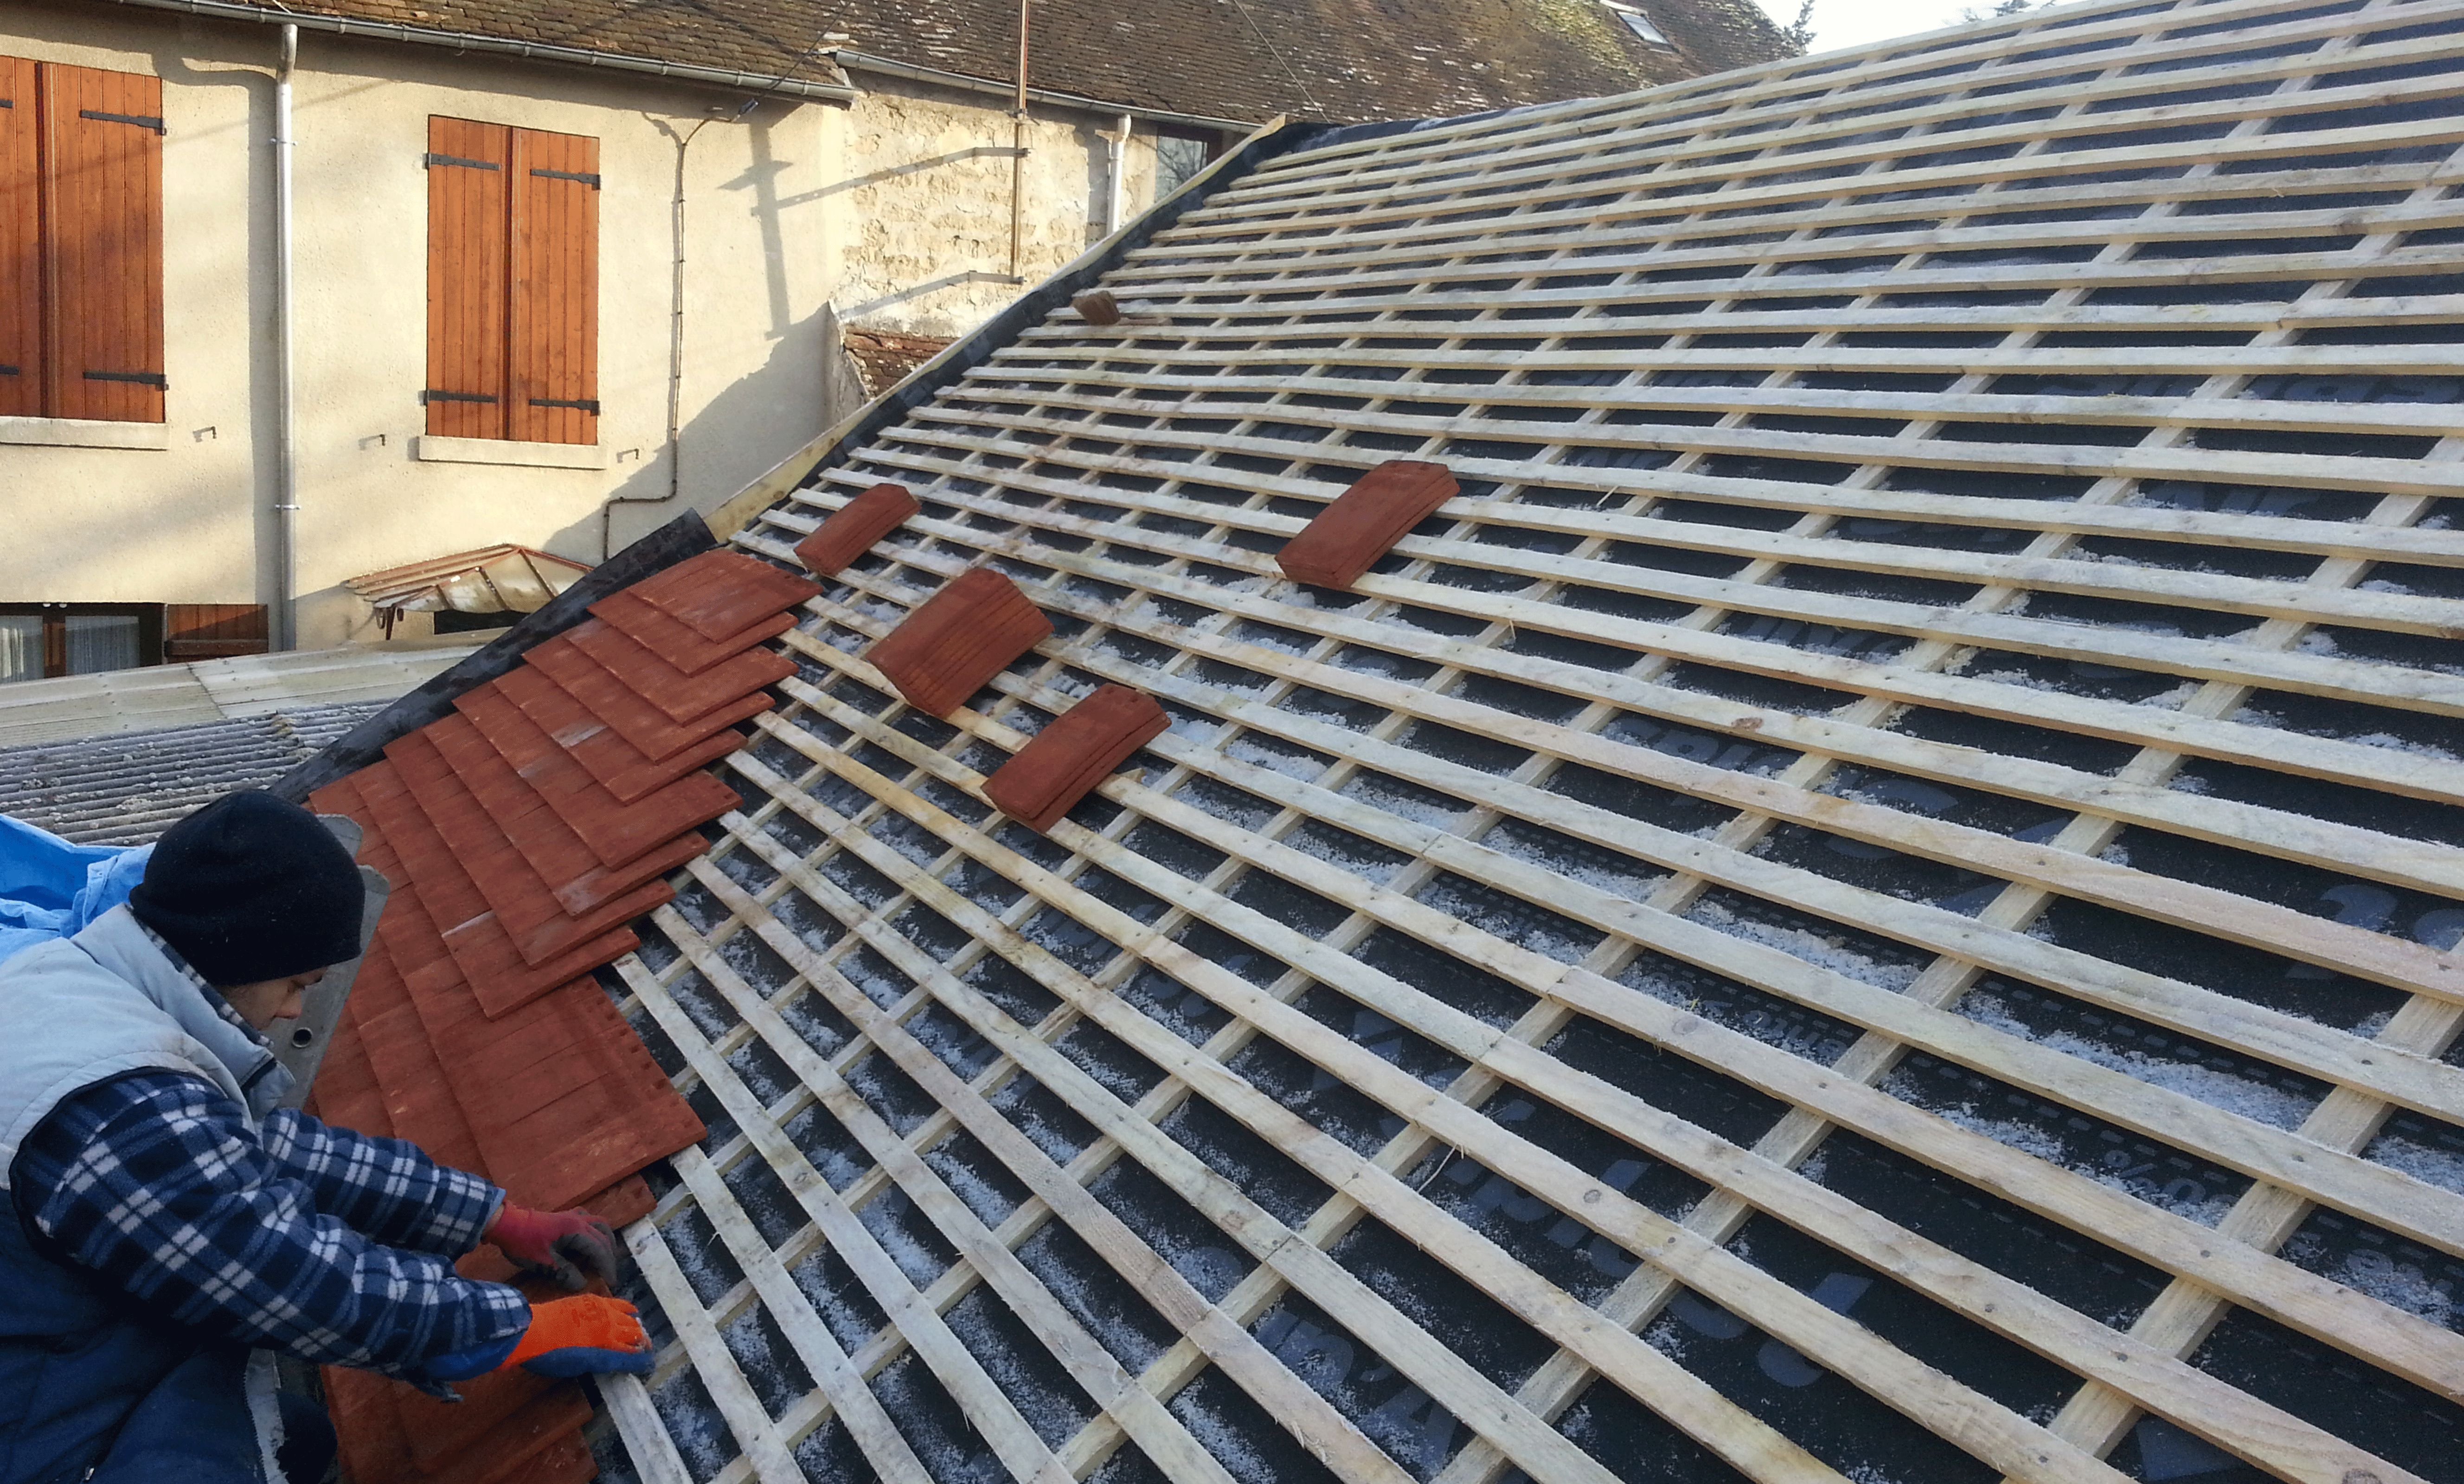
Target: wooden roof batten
(1877, 898)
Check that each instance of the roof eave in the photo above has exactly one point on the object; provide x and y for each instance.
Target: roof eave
(761, 83)
(891, 67)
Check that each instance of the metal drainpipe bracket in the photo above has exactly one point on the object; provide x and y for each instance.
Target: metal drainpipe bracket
(300, 1045)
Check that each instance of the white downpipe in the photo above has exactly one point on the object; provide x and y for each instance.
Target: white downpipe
(286, 443)
(1117, 170)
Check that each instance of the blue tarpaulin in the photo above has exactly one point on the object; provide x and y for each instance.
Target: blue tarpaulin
(50, 888)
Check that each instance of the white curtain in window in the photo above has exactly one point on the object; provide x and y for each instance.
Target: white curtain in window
(21, 646)
(101, 642)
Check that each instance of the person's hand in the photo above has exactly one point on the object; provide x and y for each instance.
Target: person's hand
(570, 1246)
(583, 1336)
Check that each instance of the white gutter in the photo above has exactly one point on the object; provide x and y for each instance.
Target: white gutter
(464, 41)
(1116, 168)
(1018, 155)
(863, 62)
(286, 440)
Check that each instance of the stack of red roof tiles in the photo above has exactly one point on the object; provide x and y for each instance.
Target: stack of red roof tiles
(520, 834)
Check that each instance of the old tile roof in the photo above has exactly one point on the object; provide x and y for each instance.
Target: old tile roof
(883, 358)
(1343, 61)
(521, 831)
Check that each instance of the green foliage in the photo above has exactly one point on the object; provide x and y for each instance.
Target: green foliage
(1799, 35)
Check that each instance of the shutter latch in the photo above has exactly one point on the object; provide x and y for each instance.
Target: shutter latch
(142, 123)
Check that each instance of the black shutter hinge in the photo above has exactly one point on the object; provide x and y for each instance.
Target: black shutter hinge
(153, 379)
(8, 371)
(142, 123)
(8, 102)
(591, 407)
(590, 181)
(431, 394)
(432, 162)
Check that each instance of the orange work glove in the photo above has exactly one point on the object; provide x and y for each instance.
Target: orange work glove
(581, 1336)
(570, 1246)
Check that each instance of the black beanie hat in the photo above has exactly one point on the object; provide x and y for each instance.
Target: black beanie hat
(252, 887)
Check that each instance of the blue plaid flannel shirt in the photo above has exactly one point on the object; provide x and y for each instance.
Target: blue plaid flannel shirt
(336, 1247)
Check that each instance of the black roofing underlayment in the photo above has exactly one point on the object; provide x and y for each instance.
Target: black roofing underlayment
(1878, 899)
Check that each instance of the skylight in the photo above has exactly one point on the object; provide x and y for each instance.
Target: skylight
(1640, 25)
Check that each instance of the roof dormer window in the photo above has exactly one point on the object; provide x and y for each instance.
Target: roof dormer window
(1639, 24)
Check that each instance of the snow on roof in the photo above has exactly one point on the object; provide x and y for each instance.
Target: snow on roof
(125, 787)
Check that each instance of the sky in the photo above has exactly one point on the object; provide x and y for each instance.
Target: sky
(1847, 22)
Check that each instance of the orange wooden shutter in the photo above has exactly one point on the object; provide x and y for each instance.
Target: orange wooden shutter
(553, 311)
(103, 218)
(21, 239)
(210, 631)
(468, 167)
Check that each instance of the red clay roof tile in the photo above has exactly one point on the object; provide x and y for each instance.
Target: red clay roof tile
(554, 854)
(545, 943)
(622, 1203)
(447, 892)
(720, 592)
(550, 708)
(507, 878)
(626, 769)
(603, 697)
(419, 1103)
(585, 893)
(509, 730)
(502, 982)
(618, 832)
(571, 1143)
(1364, 522)
(1067, 758)
(376, 1446)
(439, 1431)
(642, 777)
(682, 696)
(346, 1092)
(503, 1072)
(855, 527)
(678, 644)
(954, 643)
(407, 932)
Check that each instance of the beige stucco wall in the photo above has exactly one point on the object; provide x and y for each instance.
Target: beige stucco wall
(894, 208)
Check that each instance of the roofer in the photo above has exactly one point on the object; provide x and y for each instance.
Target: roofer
(170, 1227)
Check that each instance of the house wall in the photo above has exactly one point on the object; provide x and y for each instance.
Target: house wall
(893, 209)
(928, 186)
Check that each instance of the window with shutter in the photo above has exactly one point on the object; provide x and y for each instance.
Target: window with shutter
(50, 640)
(512, 283)
(81, 243)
